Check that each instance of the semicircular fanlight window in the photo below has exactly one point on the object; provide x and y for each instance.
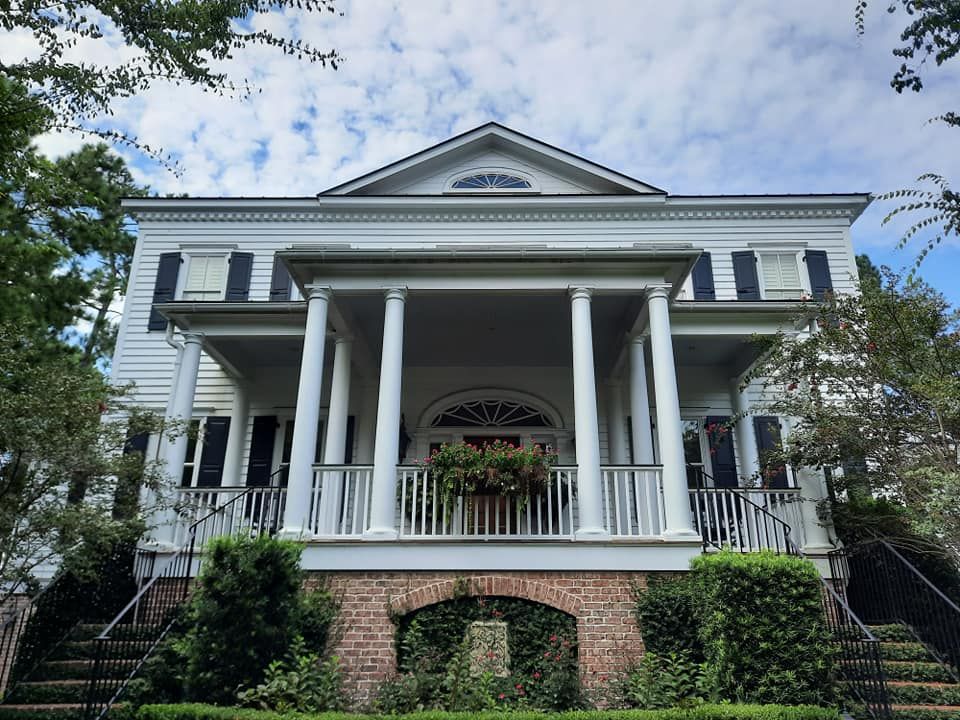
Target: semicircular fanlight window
(491, 181)
(491, 413)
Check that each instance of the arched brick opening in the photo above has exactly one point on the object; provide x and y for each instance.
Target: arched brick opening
(608, 639)
(487, 585)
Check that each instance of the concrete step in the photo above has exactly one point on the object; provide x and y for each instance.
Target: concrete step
(76, 669)
(907, 692)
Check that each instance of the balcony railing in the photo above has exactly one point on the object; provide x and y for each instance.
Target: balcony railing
(747, 519)
(260, 511)
(631, 507)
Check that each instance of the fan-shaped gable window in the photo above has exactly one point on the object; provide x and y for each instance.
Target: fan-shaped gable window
(491, 180)
(491, 413)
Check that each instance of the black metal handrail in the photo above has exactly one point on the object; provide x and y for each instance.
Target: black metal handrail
(885, 587)
(31, 634)
(861, 662)
(726, 517)
(132, 636)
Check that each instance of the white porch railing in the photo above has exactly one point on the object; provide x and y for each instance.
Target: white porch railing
(632, 504)
(340, 501)
(748, 519)
(260, 511)
(633, 500)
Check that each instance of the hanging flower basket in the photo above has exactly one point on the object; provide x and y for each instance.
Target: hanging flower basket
(497, 468)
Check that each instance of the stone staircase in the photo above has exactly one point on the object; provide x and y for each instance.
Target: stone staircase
(919, 688)
(59, 688)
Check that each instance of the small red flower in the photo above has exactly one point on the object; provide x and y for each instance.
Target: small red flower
(871, 346)
(501, 696)
(518, 686)
(792, 386)
(546, 654)
(536, 676)
(553, 638)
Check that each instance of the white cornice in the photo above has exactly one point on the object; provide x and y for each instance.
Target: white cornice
(489, 210)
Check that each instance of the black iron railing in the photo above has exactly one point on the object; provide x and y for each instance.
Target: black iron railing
(859, 659)
(132, 636)
(34, 630)
(726, 517)
(885, 587)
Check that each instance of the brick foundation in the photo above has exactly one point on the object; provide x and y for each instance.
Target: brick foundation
(602, 603)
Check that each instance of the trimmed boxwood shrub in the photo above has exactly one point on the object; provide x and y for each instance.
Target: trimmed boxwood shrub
(667, 613)
(701, 712)
(763, 629)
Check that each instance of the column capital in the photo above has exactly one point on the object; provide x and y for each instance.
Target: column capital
(638, 338)
(319, 292)
(395, 293)
(580, 293)
(342, 339)
(658, 292)
(193, 337)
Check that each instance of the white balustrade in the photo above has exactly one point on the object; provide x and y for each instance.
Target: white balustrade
(245, 511)
(349, 487)
(633, 500)
(747, 519)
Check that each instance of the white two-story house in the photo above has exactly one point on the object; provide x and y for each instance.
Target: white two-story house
(491, 286)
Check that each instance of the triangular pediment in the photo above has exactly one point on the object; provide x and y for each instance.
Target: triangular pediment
(493, 155)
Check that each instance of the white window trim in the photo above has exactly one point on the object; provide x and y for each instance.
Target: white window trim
(188, 252)
(534, 188)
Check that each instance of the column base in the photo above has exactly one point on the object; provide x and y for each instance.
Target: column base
(380, 534)
(294, 534)
(591, 535)
(159, 546)
(684, 534)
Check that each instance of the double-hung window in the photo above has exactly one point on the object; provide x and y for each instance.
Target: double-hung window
(206, 277)
(781, 276)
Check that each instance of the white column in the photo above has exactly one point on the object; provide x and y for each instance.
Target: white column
(748, 457)
(616, 430)
(173, 450)
(387, 442)
(296, 514)
(676, 499)
(233, 460)
(640, 404)
(589, 490)
(813, 536)
(335, 443)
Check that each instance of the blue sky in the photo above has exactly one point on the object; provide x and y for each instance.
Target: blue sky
(694, 97)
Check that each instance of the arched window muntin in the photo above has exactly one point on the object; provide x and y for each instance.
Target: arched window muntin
(491, 181)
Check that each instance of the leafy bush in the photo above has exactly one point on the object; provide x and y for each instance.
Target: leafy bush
(672, 680)
(301, 682)
(763, 630)
(667, 614)
(248, 611)
(701, 712)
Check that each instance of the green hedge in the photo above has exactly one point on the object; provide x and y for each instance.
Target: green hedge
(763, 629)
(701, 712)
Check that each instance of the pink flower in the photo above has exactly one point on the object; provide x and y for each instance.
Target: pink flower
(536, 676)
(553, 638)
(501, 696)
(546, 654)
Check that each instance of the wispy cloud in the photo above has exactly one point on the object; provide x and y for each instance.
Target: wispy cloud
(694, 97)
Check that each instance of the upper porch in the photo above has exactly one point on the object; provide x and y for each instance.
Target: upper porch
(573, 333)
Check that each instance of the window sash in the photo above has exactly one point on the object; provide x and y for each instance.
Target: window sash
(781, 276)
(206, 275)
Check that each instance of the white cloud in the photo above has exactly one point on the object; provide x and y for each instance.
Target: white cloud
(691, 96)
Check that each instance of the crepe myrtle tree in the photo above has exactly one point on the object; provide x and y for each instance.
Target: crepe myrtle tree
(875, 390)
(60, 417)
(932, 34)
(179, 42)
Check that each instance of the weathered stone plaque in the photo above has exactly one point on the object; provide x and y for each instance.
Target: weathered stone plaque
(488, 647)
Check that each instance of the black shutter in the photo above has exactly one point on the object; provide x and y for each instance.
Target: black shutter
(819, 271)
(745, 275)
(238, 277)
(767, 429)
(261, 450)
(348, 450)
(702, 276)
(165, 287)
(722, 459)
(280, 282)
(214, 452)
(136, 444)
